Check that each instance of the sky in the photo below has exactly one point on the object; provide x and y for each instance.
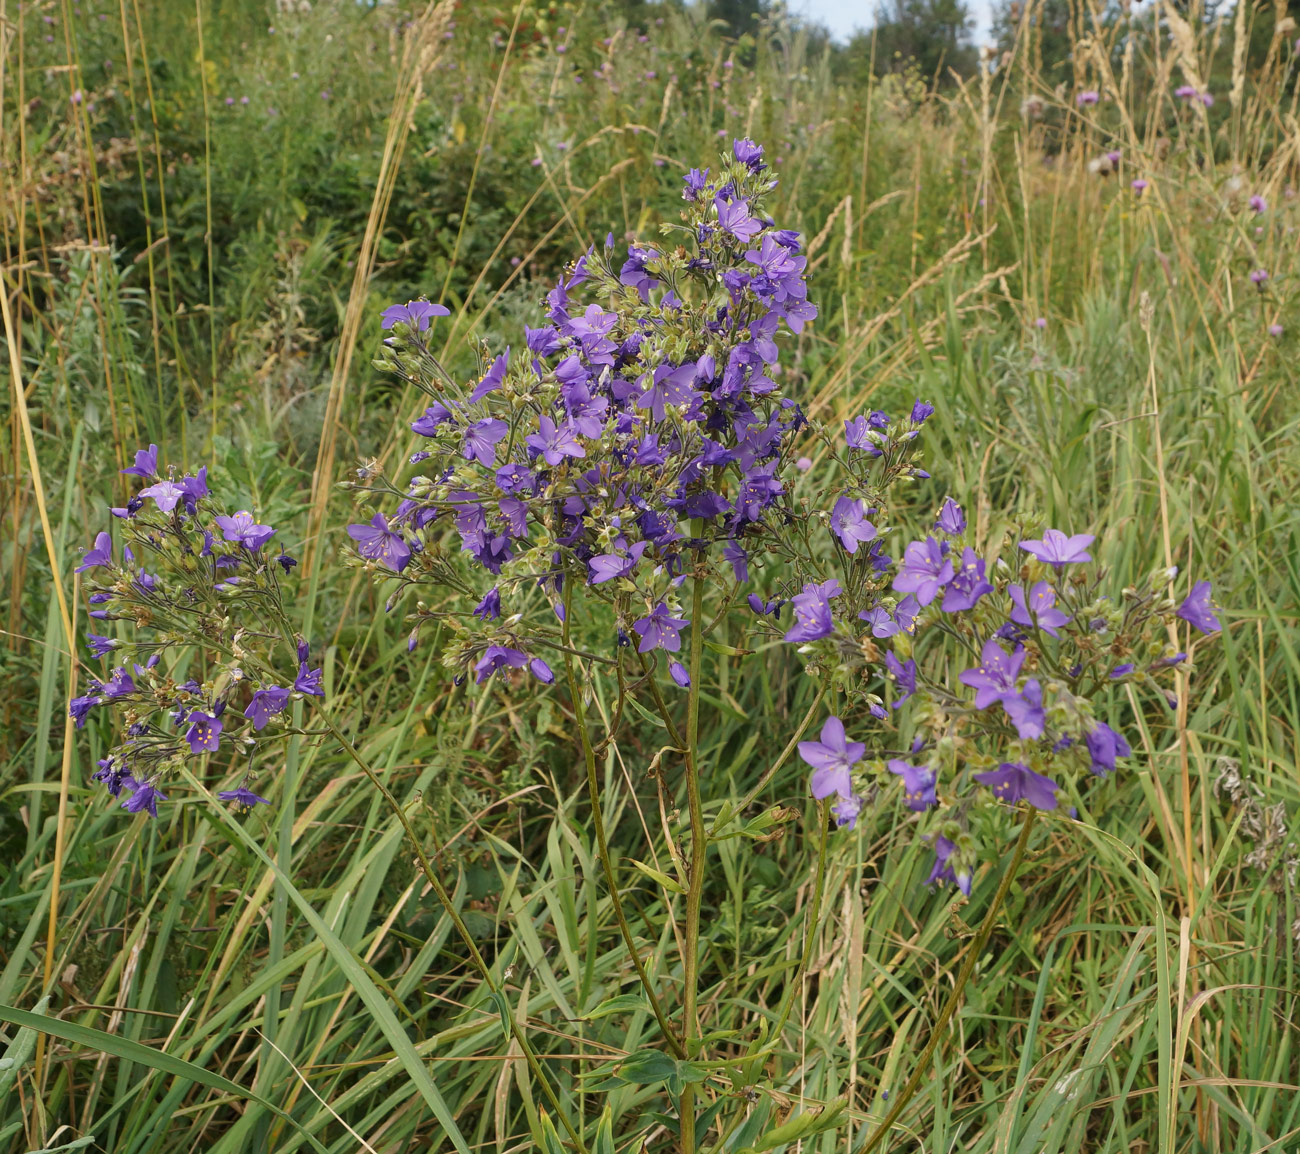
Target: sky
(843, 16)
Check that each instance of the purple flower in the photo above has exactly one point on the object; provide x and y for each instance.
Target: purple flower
(100, 646)
(1012, 782)
(749, 154)
(1105, 746)
(812, 612)
(951, 519)
(918, 784)
(1198, 610)
(1058, 550)
(611, 566)
(79, 708)
(695, 181)
(1258, 277)
(846, 810)
(204, 732)
(1258, 204)
(377, 542)
(943, 869)
(266, 703)
(433, 417)
(101, 554)
(418, 314)
(242, 529)
(481, 440)
(968, 584)
(242, 796)
(924, 571)
(832, 759)
(166, 495)
(680, 674)
(491, 379)
(144, 797)
(735, 219)
(1038, 606)
(1275, 330)
(1139, 186)
(1026, 710)
(922, 411)
(849, 523)
(308, 680)
(671, 385)
(904, 673)
(498, 657)
(554, 442)
(659, 630)
(995, 675)
(734, 552)
(120, 683)
(146, 463)
(489, 609)
(1086, 99)
(543, 672)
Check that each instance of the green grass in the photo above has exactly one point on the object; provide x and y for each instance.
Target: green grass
(1139, 988)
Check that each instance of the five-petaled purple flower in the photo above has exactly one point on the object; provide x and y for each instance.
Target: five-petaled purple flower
(204, 732)
(1012, 782)
(242, 796)
(660, 630)
(418, 314)
(144, 797)
(832, 759)
(377, 542)
(1057, 549)
(904, 673)
(1026, 710)
(968, 584)
(243, 529)
(1038, 607)
(1105, 747)
(951, 519)
(101, 554)
(554, 442)
(849, 523)
(146, 463)
(995, 675)
(266, 703)
(308, 681)
(924, 571)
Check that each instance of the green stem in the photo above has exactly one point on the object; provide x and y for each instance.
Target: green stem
(699, 849)
(963, 976)
(426, 867)
(602, 845)
(814, 914)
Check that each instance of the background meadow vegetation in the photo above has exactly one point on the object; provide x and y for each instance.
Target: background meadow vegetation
(205, 208)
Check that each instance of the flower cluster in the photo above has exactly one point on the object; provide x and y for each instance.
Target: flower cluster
(641, 436)
(200, 592)
(1041, 643)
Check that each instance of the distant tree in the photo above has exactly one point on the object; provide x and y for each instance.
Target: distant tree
(1051, 42)
(931, 35)
(740, 16)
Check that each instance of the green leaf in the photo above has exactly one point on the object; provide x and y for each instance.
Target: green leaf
(647, 1066)
(622, 1004)
(126, 1049)
(801, 1126)
(670, 884)
(603, 1142)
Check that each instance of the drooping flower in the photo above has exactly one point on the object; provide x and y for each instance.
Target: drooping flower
(944, 870)
(846, 810)
(918, 784)
(660, 630)
(489, 608)
(995, 675)
(1012, 782)
(951, 519)
(101, 554)
(1105, 747)
(146, 463)
(680, 674)
(243, 529)
(832, 760)
(924, 571)
(144, 797)
(242, 796)
(1026, 710)
(100, 646)
(812, 612)
(1198, 610)
(378, 542)
(904, 673)
(1058, 550)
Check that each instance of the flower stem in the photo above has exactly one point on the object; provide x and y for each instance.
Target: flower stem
(602, 845)
(814, 913)
(426, 867)
(699, 849)
(963, 976)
